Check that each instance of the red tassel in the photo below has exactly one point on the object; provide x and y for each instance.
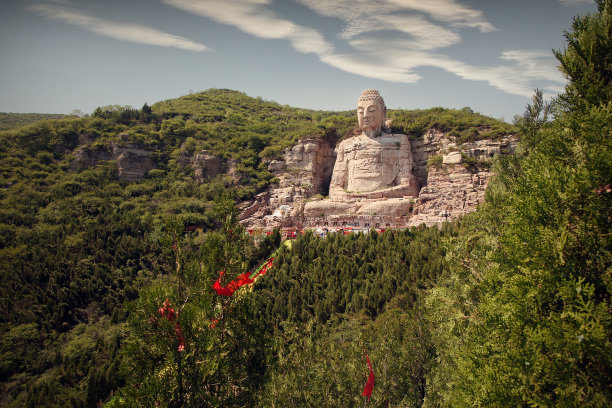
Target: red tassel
(169, 313)
(180, 337)
(240, 281)
(369, 386)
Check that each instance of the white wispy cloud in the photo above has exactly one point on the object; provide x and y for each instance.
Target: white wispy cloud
(403, 15)
(448, 11)
(424, 29)
(397, 61)
(120, 31)
(360, 64)
(516, 77)
(428, 26)
(255, 18)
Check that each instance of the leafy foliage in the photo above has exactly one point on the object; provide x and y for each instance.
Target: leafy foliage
(586, 60)
(14, 120)
(184, 360)
(465, 125)
(523, 312)
(330, 299)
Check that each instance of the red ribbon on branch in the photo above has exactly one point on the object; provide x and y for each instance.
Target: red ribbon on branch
(233, 286)
(179, 337)
(369, 386)
(240, 281)
(166, 311)
(169, 313)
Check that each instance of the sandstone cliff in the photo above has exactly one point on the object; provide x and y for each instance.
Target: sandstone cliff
(452, 184)
(207, 166)
(133, 162)
(303, 171)
(455, 182)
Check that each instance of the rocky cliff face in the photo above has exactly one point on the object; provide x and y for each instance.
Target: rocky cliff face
(207, 166)
(456, 181)
(133, 162)
(388, 181)
(303, 171)
(453, 184)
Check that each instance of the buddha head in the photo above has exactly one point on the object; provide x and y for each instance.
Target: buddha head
(371, 112)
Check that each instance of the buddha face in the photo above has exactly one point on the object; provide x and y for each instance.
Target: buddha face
(371, 115)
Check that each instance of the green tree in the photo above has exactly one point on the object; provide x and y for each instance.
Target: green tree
(586, 60)
(195, 354)
(522, 315)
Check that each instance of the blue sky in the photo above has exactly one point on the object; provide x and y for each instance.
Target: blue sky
(60, 55)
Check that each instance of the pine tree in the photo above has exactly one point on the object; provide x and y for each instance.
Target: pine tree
(188, 346)
(522, 318)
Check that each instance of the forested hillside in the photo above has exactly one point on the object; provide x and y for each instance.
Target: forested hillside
(75, 242)
(107, 297)
(14, 120)
(75, 245)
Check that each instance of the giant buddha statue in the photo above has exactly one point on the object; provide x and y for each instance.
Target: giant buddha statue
(373, 161)
(373, 170)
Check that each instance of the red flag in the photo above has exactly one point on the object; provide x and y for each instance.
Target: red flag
(233, 286)
(223, 291)
(179, 337)
(169, 313)
(243, 279)
(369, 386)
(166, 311)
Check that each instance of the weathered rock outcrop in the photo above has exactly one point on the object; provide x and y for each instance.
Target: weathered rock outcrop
(133, 162)
(303, 171)
(453, 190)
(456, 184)
(86, 157)
(207, 166)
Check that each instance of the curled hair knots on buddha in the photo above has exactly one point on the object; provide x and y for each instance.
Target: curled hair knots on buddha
(372, 95)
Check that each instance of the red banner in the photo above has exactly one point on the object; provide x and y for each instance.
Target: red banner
(369, 386)
(169, 313)
(240, 281)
